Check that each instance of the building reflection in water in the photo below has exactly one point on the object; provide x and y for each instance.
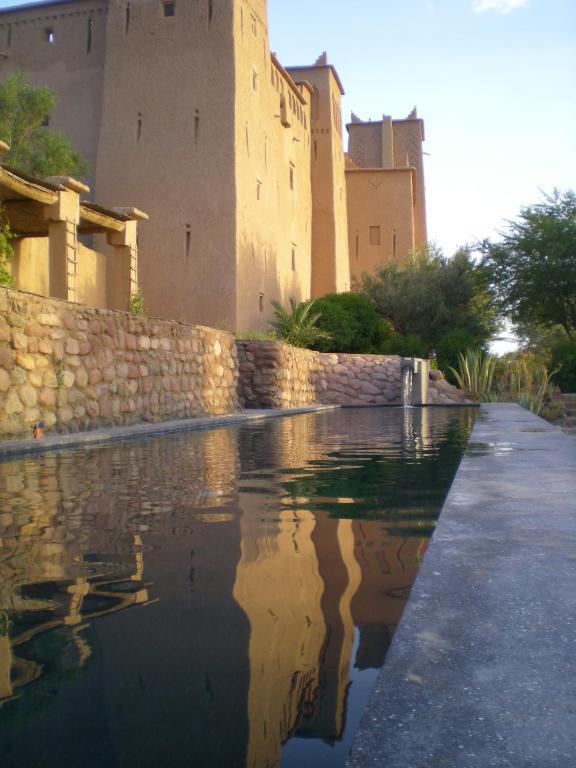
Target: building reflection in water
(279, 559)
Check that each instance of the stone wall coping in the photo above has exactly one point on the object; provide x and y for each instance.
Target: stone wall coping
(75, 306)
(15, 448)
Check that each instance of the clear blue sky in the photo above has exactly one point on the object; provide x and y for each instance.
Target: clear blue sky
(495, 81)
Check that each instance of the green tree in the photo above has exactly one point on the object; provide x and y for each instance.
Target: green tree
(34, 149)
(298, 327)
(352, 322)
(532, 268)
(432, 295)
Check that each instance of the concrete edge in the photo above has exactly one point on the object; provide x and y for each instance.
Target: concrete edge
(16, 448)
(474, 601)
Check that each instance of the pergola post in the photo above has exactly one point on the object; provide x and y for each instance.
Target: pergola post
(63, 217)
(122, 267)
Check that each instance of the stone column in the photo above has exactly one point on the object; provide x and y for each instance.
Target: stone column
(122, 267)
(63, 217)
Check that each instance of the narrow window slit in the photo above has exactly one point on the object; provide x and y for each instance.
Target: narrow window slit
(139, 127)
(188, 240)
(127, 19)
(89, 39)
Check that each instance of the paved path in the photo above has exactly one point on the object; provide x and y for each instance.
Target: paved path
(10, 448)
(482, 671)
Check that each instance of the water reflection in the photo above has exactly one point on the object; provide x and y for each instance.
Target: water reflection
(213, 599)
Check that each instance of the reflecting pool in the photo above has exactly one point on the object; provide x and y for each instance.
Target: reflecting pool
(218, 599)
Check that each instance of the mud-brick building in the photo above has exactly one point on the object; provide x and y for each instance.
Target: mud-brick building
(180, 107)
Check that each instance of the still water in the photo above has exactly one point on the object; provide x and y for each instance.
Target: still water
(221, 599)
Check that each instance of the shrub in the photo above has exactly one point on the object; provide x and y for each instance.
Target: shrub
(137, 303)
(409, 345)
(564, 359)
(450, 346)
(352, 322)
(5, 252)
(298, 327)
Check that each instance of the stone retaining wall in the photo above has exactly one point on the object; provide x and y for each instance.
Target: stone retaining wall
(276, 375)
(76, 368)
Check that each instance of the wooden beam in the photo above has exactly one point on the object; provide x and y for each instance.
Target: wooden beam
(26, 189)
(103, 222)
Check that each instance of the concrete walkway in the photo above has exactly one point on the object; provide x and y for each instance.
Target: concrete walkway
(10, 448)
(482, 670)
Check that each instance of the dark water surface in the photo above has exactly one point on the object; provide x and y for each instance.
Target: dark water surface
(219, 599)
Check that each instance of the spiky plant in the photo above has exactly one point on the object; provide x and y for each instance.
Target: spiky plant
(475, 374)
(298, 327)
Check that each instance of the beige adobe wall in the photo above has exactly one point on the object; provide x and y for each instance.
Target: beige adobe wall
(65, 65)
(75, 367)
(383, 200)
(408, 139)
(29, 267)
(330, 261)
(365, 144)
(390, 144)
(167, 146)
(273, 189)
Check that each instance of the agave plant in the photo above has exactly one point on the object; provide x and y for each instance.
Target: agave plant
(299, 326)
(475, 374)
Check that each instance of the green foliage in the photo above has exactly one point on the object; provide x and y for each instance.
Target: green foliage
(34, 148)
(532, 269)
(59, 373)
(137, 303)
(520, 377)
(410, 345)
(563, 358)
(352, 322)
(256, 336)
(6, 251)
(475, 374)
(298, 327)
(451, 346)
(431, 295)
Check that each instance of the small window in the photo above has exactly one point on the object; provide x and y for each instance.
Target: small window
(258, 189)
(254, 25)
(293, 258)
(375, 236)
(169, 9)
(291, 176)
(50, 37)
(89, 37)
(254, 80)
(261, 302)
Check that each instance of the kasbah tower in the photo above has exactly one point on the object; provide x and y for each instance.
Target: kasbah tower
(181, 110)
